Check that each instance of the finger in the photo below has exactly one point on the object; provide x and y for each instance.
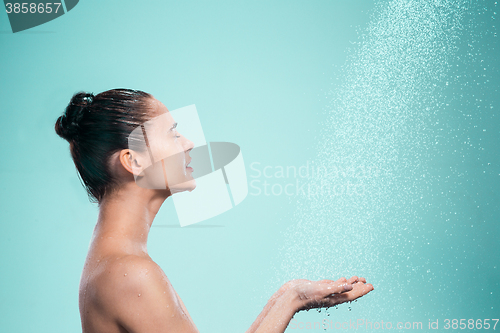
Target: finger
(360, 280)
(342, 280)
(363, 285)
(337, 287)
(353, 279)
(358, 291)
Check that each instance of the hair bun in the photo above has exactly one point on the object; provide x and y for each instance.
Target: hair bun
(67, 125)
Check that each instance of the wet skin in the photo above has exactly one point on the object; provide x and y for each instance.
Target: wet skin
(123, 290)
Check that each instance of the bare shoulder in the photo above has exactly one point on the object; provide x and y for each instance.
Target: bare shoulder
(130, 274)
(138, 295)
(129, 268)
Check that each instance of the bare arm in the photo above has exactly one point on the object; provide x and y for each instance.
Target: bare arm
(279, 315)
(297, 295)
(270, 304)
(142, 300)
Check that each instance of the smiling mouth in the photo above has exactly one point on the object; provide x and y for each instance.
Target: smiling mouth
(187, 165)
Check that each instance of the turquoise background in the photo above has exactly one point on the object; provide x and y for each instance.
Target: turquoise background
(261, 74)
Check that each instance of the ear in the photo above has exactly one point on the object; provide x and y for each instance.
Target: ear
(131, 162)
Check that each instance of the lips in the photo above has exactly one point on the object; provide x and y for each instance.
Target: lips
(187, 165)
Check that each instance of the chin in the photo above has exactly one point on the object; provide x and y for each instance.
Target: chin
(186, 186)
(192, 185)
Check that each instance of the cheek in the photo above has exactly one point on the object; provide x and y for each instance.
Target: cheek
(164, 151)
(175, 162)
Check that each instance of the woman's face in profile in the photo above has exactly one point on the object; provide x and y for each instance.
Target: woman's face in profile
(165, 163)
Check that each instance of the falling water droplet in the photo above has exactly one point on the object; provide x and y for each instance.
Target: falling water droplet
(346, 129)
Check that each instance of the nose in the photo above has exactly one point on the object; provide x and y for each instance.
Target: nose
(187, 144)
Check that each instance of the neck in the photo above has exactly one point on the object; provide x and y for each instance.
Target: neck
(125, 217)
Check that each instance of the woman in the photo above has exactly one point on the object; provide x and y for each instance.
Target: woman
(122, 289)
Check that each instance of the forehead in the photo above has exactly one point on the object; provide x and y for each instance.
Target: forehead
(156, 107)
(160, 115)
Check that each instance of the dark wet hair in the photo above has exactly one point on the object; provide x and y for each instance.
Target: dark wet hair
(98, 126)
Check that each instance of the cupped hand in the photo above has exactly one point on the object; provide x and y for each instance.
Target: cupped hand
(328, 293)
